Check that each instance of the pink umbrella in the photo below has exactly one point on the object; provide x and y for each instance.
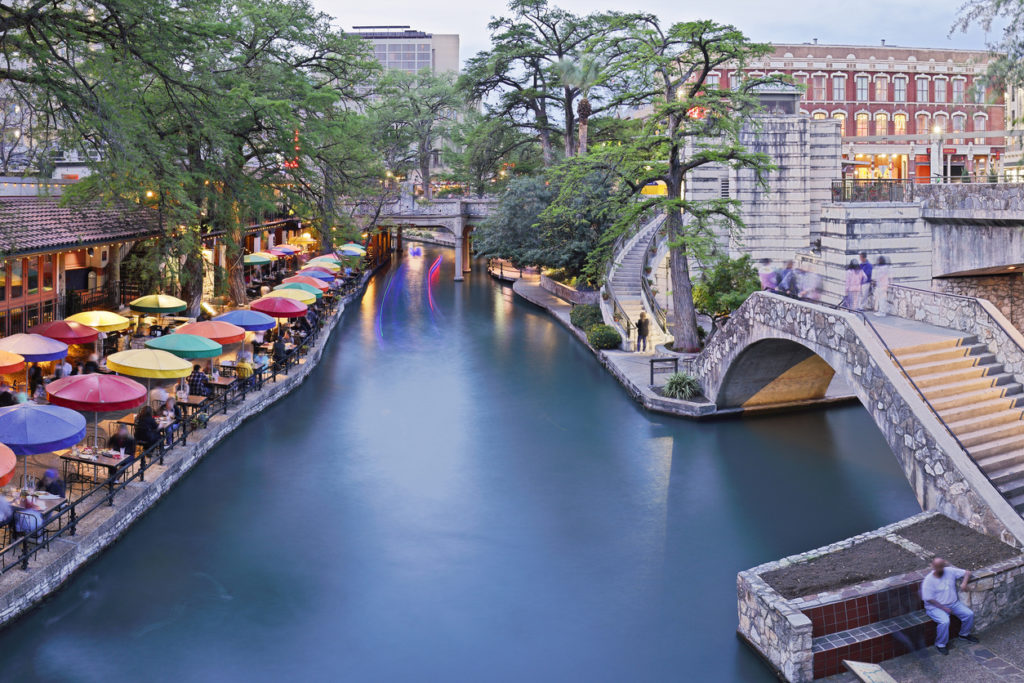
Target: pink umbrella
(67, 332)
(96, 393)
(214, 330)
(279, 307)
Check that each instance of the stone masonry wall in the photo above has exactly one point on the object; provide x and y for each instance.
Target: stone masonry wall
(1006, 292)
(20, 590)
(943, 476)
(567, 293)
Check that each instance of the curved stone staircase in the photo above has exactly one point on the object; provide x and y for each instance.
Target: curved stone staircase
(626, 280)
(982, 404)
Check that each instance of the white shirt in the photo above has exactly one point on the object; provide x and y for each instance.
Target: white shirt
(158, 396)
(942, 589)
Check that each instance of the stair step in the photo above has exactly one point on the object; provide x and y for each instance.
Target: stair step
(860, 634)
(1002, 446)
(977, 402)
(939, 379)
(1018, 503)
(908, 360)
(950, 343)
(1000, 415)
(948, 364)
(998, 462)
(957, 388)
(1012, 489)
(992, 434)
(1005, 475)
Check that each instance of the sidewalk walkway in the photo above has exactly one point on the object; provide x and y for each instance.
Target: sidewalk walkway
(998, 657)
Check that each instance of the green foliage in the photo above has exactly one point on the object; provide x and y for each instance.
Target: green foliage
(585, 316)
(510, 232)
(486, 152)
(725, 285)
(682, 386)
(604, 337)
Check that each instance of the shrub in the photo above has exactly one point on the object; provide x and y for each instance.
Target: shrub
(586, 316)
(604, 337)
(682, 386)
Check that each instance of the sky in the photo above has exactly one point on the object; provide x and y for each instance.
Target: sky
(913, 23)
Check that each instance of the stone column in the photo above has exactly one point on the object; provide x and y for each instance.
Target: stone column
(458, 259)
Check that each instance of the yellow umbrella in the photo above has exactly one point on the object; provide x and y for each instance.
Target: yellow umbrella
(267, 254)
(304, 239)
(149, 363)
(326, 265)
(158, 303)
(296, 294)
(104, 321)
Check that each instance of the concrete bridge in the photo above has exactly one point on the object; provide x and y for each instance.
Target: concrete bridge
(456, 216)
(939, 380)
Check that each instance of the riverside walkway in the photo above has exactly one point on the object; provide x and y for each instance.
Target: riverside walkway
(89, 524)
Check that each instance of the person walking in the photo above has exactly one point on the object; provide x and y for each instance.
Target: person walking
(865, 289)
(881, 273)
(854, 286)
(939, 593)
(35, 378)
(643, 328)
(767, 275)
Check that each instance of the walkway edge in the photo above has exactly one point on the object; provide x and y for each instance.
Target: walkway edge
(54, 567)
(643, 395)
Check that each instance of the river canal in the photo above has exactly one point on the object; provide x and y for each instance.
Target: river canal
(461, 493)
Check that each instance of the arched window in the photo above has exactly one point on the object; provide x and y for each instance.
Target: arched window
(881, 123)
(980, 126)
(841, 118)
(923, 125)
(899, 124)
(862, 120)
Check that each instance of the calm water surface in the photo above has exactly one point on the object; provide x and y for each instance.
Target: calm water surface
(461, 493)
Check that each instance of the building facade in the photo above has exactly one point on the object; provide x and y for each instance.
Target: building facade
(404, 49)
(916, 113)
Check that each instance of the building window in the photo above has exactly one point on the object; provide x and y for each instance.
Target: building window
(899, 89)
(980, 124)
(922, 90)
(940, 91)
(922, 124)
(818, 88)
(899, 124)
(958, 91)
(862, 124)
(881, 124)
(978, 91)
(839, 88)
(881, 90)
(711, 81)
(818, 116)
(33, 275)
(939, 128)
(3, 285)
(862, 88)
(17, 284)
(48, 273)
(841, 118)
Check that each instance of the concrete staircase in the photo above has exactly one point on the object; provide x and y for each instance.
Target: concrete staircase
(626, 280)
(982, 404)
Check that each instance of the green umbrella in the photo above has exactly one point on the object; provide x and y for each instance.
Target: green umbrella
(303, 286)
(186, 345)
(158, 303)
(328, 259)
(255, 260)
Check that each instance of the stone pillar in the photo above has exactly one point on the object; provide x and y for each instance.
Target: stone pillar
(936, 158)
(467, 250)
(458, 259)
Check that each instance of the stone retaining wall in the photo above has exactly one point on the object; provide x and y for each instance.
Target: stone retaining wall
(48, 570)
(782, 630)
(570, 294)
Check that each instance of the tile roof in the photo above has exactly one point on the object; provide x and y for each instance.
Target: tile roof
(33, 224)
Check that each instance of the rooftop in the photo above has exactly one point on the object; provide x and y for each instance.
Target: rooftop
(34, 224)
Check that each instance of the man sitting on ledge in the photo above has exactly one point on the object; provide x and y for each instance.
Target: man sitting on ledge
(939, 592)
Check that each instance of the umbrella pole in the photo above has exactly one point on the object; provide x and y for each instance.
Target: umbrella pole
(95, 430)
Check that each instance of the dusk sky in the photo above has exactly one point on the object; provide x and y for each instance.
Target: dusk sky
(916, 23)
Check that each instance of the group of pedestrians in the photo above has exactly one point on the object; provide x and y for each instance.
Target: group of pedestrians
(867, 283)
(789, 280)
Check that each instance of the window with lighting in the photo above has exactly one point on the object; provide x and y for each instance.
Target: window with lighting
(881, 124)
(881, 89)
(923, 124)
(899, 124)
(841, 118)
(862, 124)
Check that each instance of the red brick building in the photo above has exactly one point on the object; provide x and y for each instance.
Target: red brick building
(903, 112)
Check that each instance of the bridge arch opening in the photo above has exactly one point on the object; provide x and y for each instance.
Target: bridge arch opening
(774, 372)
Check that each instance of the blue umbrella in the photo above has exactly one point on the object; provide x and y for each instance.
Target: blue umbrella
(34, 348)
(319, 274)
(254, 321)
(30, 428)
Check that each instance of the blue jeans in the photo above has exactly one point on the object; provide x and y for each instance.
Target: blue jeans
(960, 611)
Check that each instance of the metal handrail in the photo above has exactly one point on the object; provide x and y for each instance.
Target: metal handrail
(660, 316)
(618, 313)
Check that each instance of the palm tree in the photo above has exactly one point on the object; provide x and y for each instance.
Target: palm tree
(584, 75)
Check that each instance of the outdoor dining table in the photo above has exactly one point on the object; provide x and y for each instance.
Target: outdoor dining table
(221, 386)
(45, 503)
(193, 404)
(105, 458)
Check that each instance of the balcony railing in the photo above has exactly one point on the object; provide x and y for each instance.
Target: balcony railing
(856, 190)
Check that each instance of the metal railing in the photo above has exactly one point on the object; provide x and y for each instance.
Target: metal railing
(63, 521)
(660, 315)
(618, 314)
(856, 190)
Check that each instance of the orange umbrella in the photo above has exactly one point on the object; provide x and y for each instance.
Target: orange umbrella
(11, 363)
(214, 330)
(8, 463)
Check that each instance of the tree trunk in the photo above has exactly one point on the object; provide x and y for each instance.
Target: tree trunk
(684, 326)
(545, 147)
(327, 213)
(584, 125)
(192, 282)
(425, 177)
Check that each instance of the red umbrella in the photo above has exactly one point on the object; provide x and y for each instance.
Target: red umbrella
(306, 280)
(96, 393)
(279, 307)
(214, 330)
(67, 332)
(8, 463)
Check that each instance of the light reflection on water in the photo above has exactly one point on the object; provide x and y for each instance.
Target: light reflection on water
(467, 496)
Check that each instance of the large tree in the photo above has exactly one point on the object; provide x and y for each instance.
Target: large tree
(687, 124)
(415, 113)
(487, 151)
(520, 77)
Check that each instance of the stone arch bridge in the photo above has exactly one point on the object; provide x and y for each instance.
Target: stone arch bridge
(777, 349)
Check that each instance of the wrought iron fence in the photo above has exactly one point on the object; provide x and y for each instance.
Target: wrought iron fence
(856, 190)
